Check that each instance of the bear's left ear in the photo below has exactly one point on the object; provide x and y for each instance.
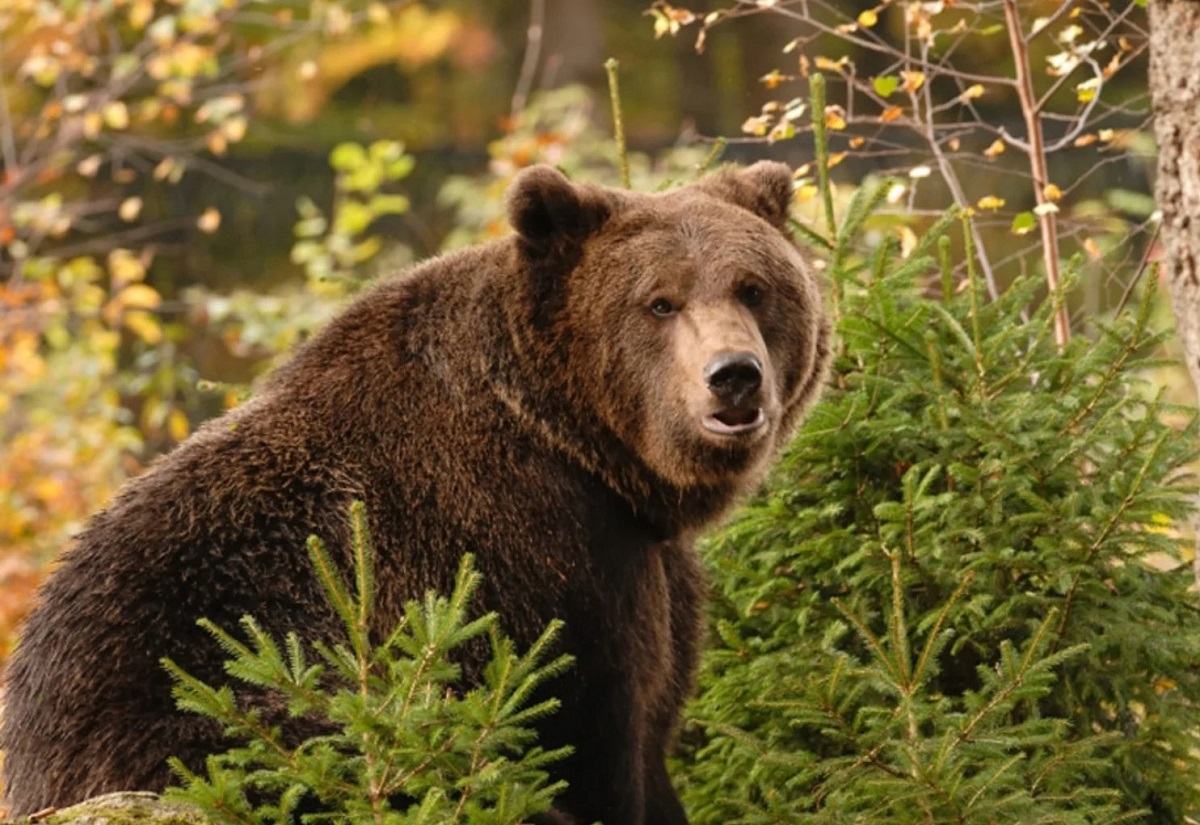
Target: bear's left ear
(545, 208)
(764, 188)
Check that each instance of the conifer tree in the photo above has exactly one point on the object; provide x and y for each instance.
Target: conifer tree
(406, 744)
(961, 598)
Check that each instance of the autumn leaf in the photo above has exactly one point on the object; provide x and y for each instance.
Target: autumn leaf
(890, 113)
(868, 19)
(1051, 192)
(912, 80)
(129, 209)
(826, 65)
(990, 202)
(997, 148)
(209, 221)
(774, 78)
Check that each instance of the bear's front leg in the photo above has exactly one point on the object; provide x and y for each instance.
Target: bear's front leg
(662, 802)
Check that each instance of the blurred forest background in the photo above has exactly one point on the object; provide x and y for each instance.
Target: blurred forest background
(171, 220)
(189, 187)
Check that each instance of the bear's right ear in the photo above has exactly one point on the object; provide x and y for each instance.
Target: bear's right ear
(764, 188)
(545, 208)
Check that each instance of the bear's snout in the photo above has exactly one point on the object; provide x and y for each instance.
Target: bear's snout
(734, 377)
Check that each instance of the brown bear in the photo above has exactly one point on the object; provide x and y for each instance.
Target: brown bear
(572, 404)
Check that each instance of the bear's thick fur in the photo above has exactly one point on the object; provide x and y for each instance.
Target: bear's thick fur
(571, 404)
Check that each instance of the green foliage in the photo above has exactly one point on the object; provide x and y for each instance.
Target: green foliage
(398, 725)
(960, 599)
(331, 250)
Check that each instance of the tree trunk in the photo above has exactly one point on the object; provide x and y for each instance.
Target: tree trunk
(1175, 90)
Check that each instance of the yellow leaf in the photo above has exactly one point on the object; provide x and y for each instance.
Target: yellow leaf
(234, 128)
(140, 296)
(1084, 140)
(868, 19)
(990, 202)
(834, 119)
(89, 166)
(973, 92)
(144, 326)
(805, 193)
(210, 221)
(773, 78)
(129, 209)
(125, 268)
(835, 159)
(116, 115)
(1107, 135)
(908, 241)
(896, 192)
(177, 425)
(756, 126)
(857, 142)
(48, 490)
(997, 148)
(140, 13)
(912, 81)
(827, 65)
(1092, 248)
(92, 124)
(1051, 192)
(890, 113)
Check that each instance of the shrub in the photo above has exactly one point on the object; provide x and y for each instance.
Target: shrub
(401, 728)
(960, 599)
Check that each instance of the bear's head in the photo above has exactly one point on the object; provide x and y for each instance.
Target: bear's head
(685, 327)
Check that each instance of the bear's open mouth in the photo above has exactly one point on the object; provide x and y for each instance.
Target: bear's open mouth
(735, 421)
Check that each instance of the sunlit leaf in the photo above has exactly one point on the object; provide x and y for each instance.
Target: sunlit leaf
(990, 202)
(143, 325)
(834, 118)
(209, 221)
(885, 85)
(773, 78)
(868, 18)
(913, 81)
(1023, 223)
(129, 209)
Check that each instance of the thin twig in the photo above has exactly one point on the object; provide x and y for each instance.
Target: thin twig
(1037, 165)
(533, 52)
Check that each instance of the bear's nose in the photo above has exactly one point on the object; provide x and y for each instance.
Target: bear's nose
(734, 376)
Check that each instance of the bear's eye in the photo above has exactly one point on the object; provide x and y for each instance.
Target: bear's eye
(662, 308)
(751, 295)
